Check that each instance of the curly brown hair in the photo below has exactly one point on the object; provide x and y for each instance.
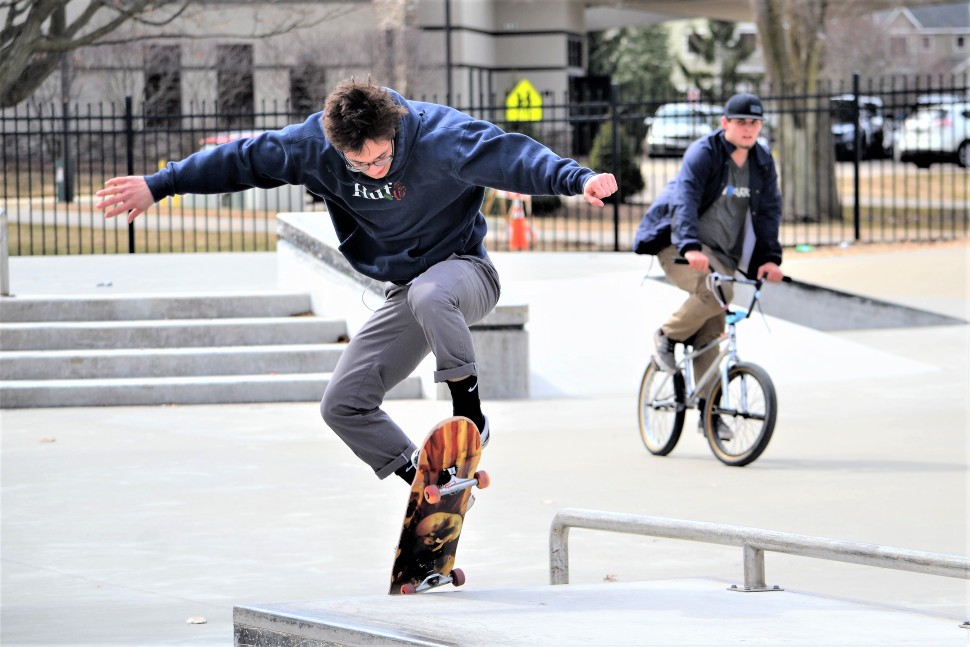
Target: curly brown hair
(357, 111)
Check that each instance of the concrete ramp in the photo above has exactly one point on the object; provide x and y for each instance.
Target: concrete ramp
(664, 612)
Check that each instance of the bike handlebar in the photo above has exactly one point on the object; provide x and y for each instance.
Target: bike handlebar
(715, 279)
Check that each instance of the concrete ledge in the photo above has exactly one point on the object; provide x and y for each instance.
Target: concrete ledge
(827, 309)
(824, 308)
(309, 260)
(130, 307)
(700, 611)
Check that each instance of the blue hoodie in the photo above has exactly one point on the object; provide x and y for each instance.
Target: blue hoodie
(673, 216)
(425, 209)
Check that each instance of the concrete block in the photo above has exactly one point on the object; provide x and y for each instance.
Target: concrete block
(310, 261)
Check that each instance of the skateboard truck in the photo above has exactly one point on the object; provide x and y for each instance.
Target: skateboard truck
(433, 493)
(456, 577)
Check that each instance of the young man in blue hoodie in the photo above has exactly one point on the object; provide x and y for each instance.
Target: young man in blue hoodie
(404, 183)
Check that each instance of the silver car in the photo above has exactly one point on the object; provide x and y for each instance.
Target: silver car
(936, 133)
(676, 125)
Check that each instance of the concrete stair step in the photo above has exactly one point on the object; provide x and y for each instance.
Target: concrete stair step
(163, 362)
(178, 333)
(204, 389)
(155, 306)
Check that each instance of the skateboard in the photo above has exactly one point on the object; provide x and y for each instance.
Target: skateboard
(439, 499)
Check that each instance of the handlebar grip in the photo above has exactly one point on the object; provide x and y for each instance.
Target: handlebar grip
(680, 260)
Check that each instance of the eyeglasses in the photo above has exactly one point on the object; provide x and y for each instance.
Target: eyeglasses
(380, 162)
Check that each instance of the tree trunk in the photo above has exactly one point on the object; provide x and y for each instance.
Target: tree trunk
(791, 36)
(395, 22)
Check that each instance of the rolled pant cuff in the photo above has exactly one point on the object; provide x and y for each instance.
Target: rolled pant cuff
(403, 459)
(457, 372)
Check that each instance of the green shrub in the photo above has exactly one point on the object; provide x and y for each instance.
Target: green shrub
(601, 159)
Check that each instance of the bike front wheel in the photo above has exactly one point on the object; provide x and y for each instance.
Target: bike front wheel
(739, 427)
(660, 409)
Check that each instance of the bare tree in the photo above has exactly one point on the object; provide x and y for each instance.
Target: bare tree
(396, 20)
(38, 33)
(792, 37)
(854, 44)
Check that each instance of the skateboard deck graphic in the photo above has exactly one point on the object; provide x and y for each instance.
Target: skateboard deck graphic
(425, 556)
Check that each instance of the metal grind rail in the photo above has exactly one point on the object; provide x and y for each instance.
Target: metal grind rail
(753, 541)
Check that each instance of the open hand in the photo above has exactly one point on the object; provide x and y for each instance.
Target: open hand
(125, 194)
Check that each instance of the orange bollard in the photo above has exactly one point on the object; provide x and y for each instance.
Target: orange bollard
(519, 234)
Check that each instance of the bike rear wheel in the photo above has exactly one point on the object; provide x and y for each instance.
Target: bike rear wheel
(660, 409)
(749, 417)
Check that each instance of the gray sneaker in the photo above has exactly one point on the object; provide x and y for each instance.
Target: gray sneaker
(724, 432)
(664, 351)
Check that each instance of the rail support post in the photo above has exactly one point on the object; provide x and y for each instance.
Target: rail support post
(559, 553)
(754, 571)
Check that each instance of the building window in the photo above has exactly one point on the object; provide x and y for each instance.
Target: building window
(234, 78)
(960, 43)
(163, 86)
(898, 47)
(926, 44)
(308, 89)
(574, 52)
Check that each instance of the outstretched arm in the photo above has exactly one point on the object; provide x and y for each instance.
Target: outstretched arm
(601, 185)
(125, 194)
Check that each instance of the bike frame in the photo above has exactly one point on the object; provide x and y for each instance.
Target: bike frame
(728, 341)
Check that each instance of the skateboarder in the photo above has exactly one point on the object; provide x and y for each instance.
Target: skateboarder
(404, 183)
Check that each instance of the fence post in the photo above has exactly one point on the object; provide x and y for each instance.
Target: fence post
(130, 149)
(617, 164)
(66, 171)
(4, 256)
(856, 156)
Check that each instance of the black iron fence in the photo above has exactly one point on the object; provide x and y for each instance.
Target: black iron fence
(880, 161)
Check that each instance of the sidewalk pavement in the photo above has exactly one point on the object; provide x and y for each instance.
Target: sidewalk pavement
(119, 524)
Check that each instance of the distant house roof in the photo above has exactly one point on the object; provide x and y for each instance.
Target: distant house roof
(948, 16)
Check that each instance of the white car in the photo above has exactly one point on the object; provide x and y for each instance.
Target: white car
(936, 133)
(676, 125)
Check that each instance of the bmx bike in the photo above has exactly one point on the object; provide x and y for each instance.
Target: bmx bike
(737, 400)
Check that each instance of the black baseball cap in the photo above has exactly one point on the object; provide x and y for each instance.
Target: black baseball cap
(744, 106)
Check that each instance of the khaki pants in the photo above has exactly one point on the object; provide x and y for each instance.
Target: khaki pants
(700, 319)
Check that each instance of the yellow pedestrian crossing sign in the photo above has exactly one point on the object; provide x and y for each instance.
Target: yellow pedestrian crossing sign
(524, 103)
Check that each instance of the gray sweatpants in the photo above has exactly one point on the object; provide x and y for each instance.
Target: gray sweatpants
(430, 314)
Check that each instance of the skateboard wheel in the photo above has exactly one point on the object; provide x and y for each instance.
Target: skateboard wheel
(458, 577)
(407, 589)
(432, 494)
(483, 479)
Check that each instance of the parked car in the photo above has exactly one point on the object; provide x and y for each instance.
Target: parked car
(676, 125)
(875, 129)
(937, 133)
